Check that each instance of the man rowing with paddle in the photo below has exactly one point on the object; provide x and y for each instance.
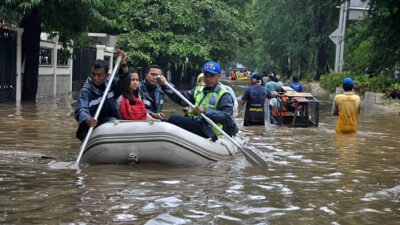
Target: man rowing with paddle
(213, 100)
(91, 95)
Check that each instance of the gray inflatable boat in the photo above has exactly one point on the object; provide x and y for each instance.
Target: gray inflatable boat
(125, 142)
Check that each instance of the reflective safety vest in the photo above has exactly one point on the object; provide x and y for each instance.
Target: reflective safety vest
(207, 100)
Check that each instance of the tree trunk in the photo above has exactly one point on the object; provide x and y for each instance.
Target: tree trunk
(30, 54)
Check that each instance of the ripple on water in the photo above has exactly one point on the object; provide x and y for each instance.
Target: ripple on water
(124, 217)
(169, 202)
(196, 214)
(166, 218)
(387, 193)
(263, 210)
(327, 210)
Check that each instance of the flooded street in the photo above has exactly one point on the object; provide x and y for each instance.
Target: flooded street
(315, 177)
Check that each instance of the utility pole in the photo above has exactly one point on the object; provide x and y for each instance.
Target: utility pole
(339, 60)
(353, 10)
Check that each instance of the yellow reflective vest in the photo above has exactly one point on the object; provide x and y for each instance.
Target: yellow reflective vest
(207, 100)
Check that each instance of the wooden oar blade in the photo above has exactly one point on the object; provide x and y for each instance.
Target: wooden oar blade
(253, 158)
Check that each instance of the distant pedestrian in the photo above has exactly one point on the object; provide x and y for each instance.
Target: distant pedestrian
(254, 98)
(296, 85)
(347, 107)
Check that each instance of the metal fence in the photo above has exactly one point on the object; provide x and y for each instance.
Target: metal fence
(82, 60)
(8, 74)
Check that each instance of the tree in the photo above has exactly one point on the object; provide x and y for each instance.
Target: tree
(68, 19)
(293, 35)
(383, 28)
(170, 31)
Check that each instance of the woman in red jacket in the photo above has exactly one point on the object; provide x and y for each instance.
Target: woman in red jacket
(132, 107)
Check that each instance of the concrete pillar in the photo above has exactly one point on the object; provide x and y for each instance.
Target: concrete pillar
(19, 65)
(110, 51)
(55, 68)
(71, 67)
(100, 51)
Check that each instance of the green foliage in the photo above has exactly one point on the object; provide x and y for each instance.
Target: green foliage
(331, 81)
(362, 83)
(379, 84)
(171, 30)
(70, 20)
(373, 41)
(291, 36)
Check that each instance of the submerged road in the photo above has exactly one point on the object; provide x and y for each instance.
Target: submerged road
(314, 176)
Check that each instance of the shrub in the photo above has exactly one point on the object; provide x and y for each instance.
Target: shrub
(332, 80)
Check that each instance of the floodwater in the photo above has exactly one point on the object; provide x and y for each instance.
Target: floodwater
(314, 176)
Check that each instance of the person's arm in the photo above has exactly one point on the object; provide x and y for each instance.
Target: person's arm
(245, 97)
(335, 110)
(189, 95)
(82, 111)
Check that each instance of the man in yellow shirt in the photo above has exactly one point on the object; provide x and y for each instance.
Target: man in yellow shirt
(347, 107)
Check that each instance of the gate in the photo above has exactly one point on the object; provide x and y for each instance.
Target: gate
(83, 61)
(8, 64)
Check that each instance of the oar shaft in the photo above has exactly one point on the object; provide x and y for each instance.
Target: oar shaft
(96, 115)
(251, 157)
(204, 116)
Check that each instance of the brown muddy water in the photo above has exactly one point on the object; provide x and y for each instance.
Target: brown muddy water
(315, 177)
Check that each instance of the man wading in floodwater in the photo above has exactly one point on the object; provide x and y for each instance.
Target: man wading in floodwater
(347, 107)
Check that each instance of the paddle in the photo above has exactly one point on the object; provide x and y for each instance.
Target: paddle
(103, 98)
(267, 116)
(75, 165)
(252, 157)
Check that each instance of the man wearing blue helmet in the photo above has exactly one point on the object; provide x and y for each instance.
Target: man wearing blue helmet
(213, 100)
(347, 107)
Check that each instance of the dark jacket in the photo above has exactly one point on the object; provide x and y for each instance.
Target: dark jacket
(90, 98)
(153, 96)
(222, 114)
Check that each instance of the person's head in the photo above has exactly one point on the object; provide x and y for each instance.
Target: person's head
(153, 72)
(278, 86)
(200, 79)
(295, 79)
(134, 79)
(347, 84)
(255, 79)
(270, 78)
(99, 72)
(212, 73)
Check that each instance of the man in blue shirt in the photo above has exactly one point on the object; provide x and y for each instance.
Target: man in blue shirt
(92, 93)
(153, 90)
(254, 97)
(296, 85)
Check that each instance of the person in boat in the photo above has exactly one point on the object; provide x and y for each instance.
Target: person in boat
(153, 91)
(200, 82)
(254, 98)
(347, 107)
(296, 85)
(213, 100)
(132, 106)
(91, 95)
